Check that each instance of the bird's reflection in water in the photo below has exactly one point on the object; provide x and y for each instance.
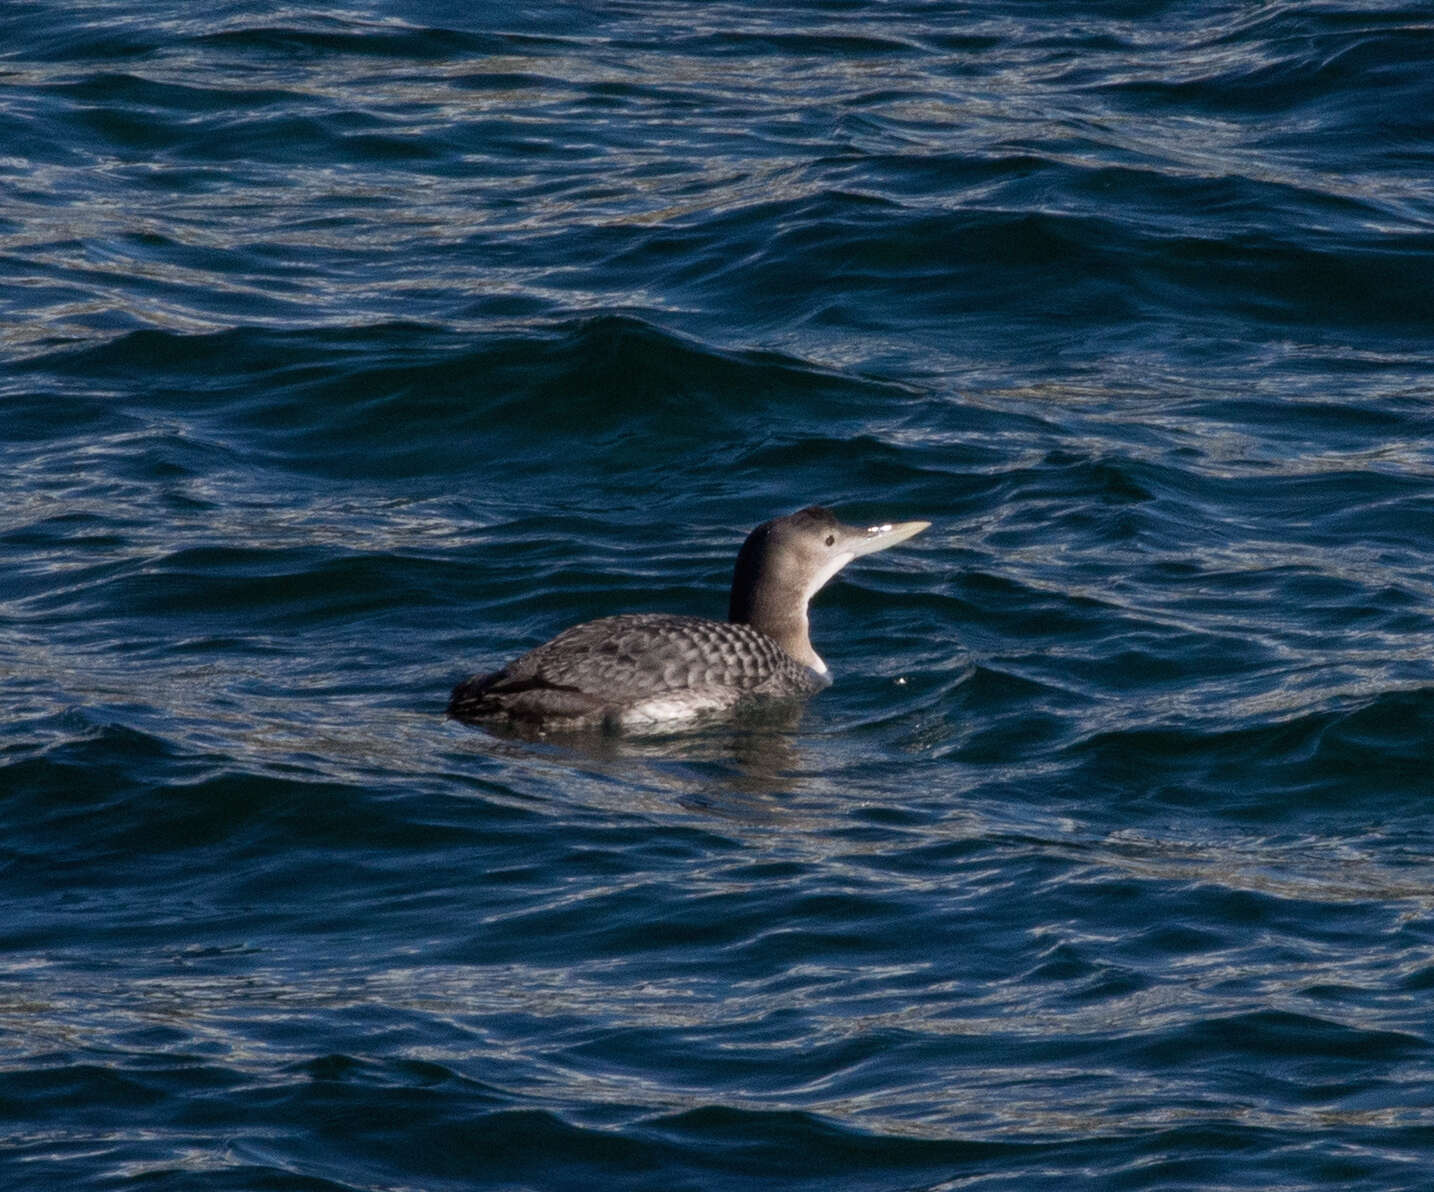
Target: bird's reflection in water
(743, 766)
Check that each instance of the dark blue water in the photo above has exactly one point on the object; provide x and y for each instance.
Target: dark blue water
(347, 351)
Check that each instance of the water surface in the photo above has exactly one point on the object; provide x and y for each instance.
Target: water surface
(347, 351)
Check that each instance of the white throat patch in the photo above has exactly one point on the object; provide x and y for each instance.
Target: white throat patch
(834, 564)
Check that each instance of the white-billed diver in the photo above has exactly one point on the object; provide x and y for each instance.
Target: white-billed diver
(650, 670)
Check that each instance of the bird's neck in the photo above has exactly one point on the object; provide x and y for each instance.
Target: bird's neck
(784, 624)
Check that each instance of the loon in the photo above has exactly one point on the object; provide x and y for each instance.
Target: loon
(644, 670)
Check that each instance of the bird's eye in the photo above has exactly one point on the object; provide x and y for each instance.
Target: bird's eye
(831, 539)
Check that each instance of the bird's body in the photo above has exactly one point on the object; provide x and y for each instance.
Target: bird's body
(634, 671)
(642, 671)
